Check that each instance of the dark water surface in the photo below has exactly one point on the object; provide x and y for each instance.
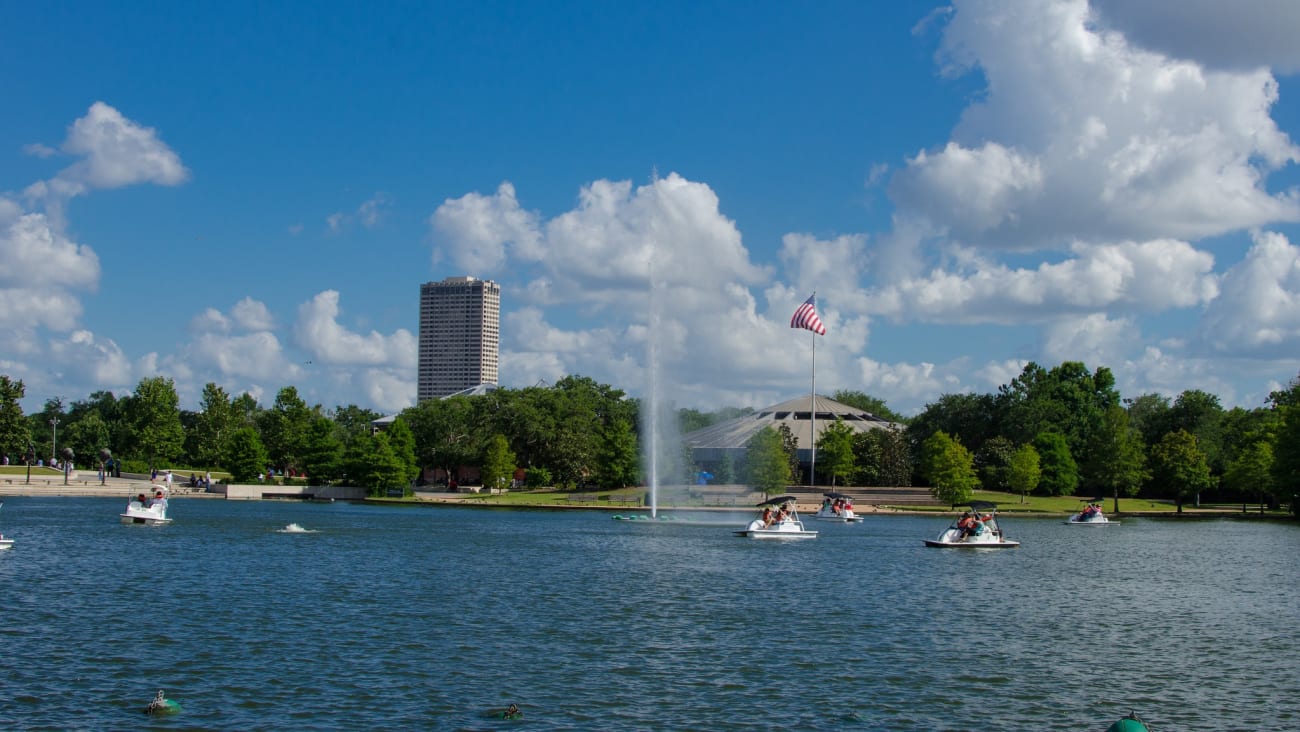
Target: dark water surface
(431, 618)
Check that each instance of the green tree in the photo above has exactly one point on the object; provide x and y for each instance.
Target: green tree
(1060, 474)
(154, 412)
(766, 462)
(215, 421)
(371, 464)
(14, 433)
(1286, 457)
(86, 436)
(1251, 472)
(835, 447)
(322, 452)
(950, 469)
(352, 420)
(284, 428)
(386, 469)
(1117, 458)
(244, 410)
(527, 418)
(969, 418)
(443, 438)
(402, 441)
(1200, 414)
(895, 454)
(1023, 472)
(1149, 415)
(790, 446)
(1067, 399)
(867, 403)
(498, 463)
(992, 462)
(244, 455)
(689, 420)
(619, 463)
(1179, 466)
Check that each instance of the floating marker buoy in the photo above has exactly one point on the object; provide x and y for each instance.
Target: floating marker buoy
(1131, 723)
(162, 705)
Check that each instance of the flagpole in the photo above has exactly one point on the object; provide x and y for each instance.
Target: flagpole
(812, 404)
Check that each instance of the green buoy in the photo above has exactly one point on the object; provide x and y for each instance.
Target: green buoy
(161, 705)
(1131, 723)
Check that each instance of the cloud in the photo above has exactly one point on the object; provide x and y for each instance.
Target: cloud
(210, 320)
(1258, 312)
(627, 268)
(476, 231)
(1082, 136)
(370, 214)
(115, 152)
(37, 150)
(373, 211)
(670, 231)
(318, 332)
(96, 362)
(389, 390)
(907, 382)
(251, 314)
(1241, 35)
(45, 272)
(1146, 277)
(257, 356)
(37, 255)
(1092, 339)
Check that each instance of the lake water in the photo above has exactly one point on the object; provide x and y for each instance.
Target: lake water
(393, 617)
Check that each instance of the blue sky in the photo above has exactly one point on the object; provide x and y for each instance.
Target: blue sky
(251, 194)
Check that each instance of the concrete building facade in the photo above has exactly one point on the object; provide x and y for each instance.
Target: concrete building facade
(460, 337)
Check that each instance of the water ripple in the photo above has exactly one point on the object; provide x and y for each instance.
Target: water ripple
(438, 618)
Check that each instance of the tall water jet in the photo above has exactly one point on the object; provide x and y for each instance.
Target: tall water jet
(658, 423)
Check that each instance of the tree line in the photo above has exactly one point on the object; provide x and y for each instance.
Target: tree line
(1059, 431)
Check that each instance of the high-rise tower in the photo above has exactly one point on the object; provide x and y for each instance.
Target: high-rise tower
(460, 336)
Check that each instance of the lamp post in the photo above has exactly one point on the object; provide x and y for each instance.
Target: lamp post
(68, 457)
(31, 458)
(54, 437)
(104, 456)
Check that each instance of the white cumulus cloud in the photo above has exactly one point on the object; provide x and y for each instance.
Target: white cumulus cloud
(1135, 276)
(318, 332)
(1258, 312)
(1084, 136)
(477, 232)
(1243, 34)
(116, 152)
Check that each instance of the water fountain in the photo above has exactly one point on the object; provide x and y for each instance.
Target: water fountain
(660, 444)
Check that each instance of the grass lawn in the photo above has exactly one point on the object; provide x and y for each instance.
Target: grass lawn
(1007, 502)
(43, 472)
(1065, 505)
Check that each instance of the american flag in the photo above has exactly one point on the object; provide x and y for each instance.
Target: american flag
(806, 316)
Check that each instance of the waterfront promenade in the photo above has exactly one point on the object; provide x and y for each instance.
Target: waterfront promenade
(88, 484)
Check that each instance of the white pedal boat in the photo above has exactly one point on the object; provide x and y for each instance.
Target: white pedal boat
(780, 520)
(975, 529)
(144, 510)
